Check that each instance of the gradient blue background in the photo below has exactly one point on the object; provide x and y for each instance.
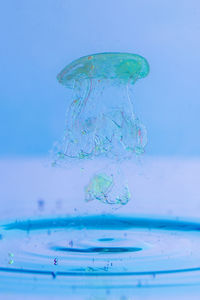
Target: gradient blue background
(38, 38)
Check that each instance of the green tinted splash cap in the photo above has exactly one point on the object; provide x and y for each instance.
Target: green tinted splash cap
(122, 68)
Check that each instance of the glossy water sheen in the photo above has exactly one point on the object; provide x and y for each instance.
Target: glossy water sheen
(99, 252)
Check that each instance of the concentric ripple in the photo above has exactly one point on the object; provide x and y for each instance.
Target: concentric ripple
(99, 249)
(128, 250)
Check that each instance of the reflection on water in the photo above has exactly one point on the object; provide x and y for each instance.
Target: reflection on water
(99, 252)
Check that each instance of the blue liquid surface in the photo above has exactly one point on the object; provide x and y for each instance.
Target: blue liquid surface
(99, 252)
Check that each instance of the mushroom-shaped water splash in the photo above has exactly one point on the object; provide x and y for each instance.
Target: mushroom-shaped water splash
(101, 122)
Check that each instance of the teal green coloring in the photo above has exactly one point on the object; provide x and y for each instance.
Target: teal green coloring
(99, 185)
(101, 122)
(98, 124)
(122, 67)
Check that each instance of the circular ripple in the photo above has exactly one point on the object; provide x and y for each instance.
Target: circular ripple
(98, 249)
(102, 246)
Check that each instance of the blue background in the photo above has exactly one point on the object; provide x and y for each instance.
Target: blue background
(38, 38)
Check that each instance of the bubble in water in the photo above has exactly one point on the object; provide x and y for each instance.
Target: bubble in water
(11, 258)
(101, 122)
(55, 261)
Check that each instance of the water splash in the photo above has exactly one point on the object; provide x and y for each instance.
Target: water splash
(101, 122)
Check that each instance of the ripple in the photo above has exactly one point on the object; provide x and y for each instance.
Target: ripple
(122, 248)
(104, 222)
(105, 240)
(99, 249)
